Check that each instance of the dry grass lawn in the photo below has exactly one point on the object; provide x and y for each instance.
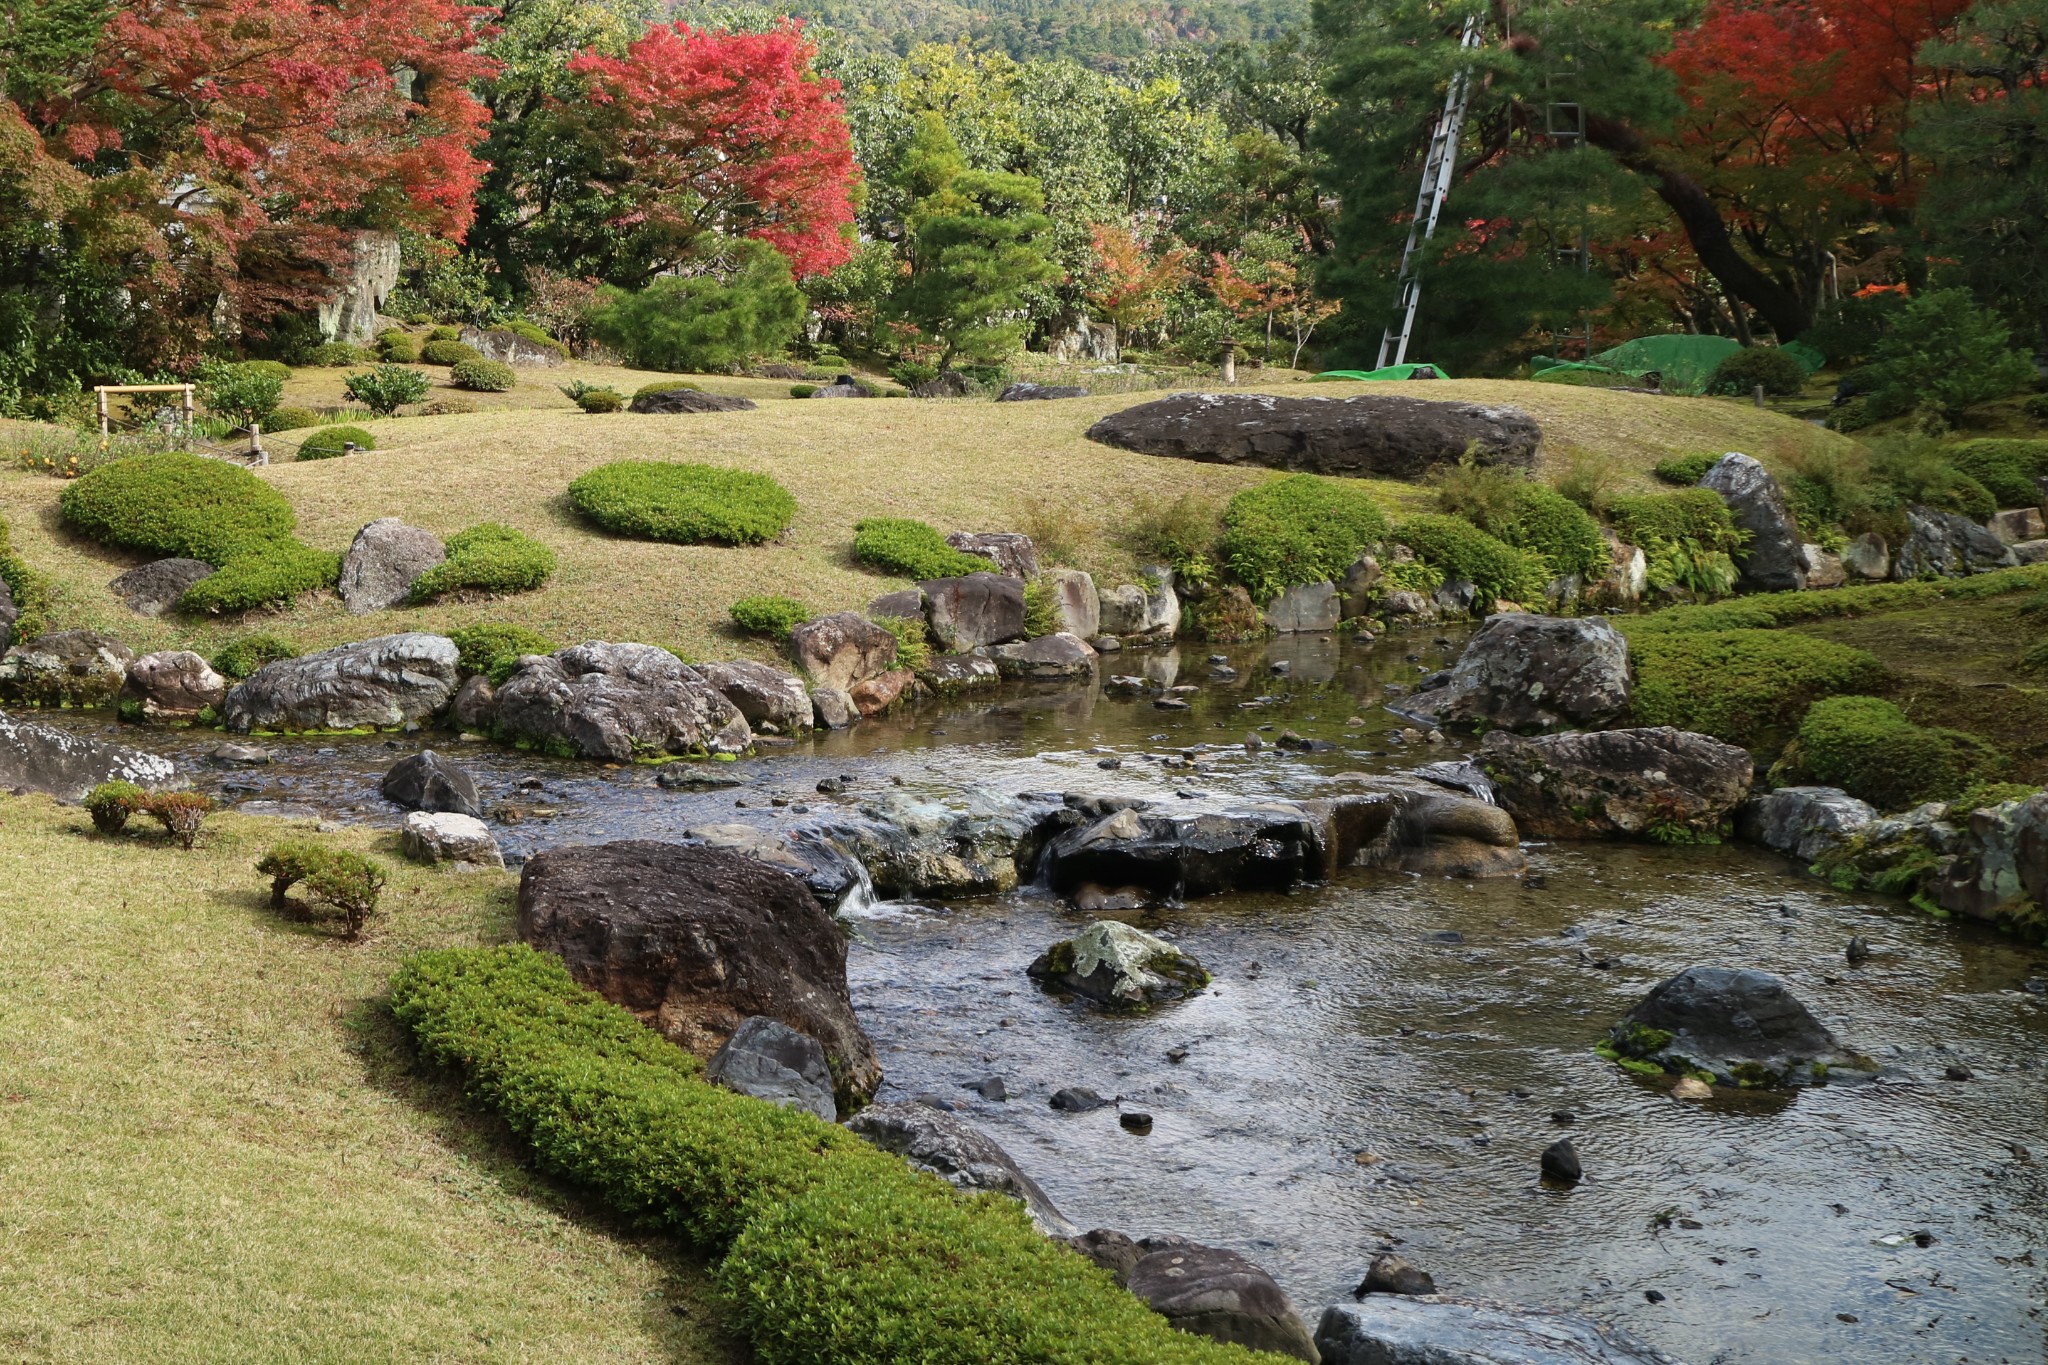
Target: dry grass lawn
(965, 465)
(212, 1147)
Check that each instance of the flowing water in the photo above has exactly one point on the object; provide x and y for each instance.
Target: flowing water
(1381, 1060)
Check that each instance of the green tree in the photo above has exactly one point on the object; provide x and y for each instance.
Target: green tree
(976, 248)
(1946, 353)
(736, 302)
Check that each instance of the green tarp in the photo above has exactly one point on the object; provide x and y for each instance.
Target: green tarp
(1421, 370)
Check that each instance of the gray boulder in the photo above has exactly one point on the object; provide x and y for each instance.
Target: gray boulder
(2026, 552)
(832, 874)
(953, 673)
(616, 701)
(1150, 611)
(383, 562)
(1049, 658)
(1309, 608)
(1742, 1025)
(1419, 826)
(1378, 435)
(1214, 1293)
(155, 588)
(977, 846)
(764, 694)
(174, 684)
(771, 1061)
(1360, 586)
(1120, 967)
(1437, 1329)
(1655, 782)
(426, 781)
(680, 402)
(1011, 551)
(1772, 559)
(1527, 673)
(1806, 822)
(508, 347)
(974, 611)
(9, 614)
(832, 708)
(66, 668)
(1947, 545)
(840, 650)
(384, 683)
(1824, 568)
(1035, 393)
(2000, 871)
(1868, 557)
(2017, 525)
(475, 708)
(462, 841)
(66, 765)
(958, 1153)
(902, 602)
(1075, 599)
(945, 384)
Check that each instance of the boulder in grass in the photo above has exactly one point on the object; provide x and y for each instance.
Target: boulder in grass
(1011, 551)
(1947, 545)
(679, 402)
(1022, 392)
(958, 1153)
(383, 562)
(154, 588)
(1772, 558)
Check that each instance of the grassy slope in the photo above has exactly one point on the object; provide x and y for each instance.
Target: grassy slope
(211, 1148)
(958, 465)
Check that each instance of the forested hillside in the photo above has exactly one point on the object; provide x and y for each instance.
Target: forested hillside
(1103, 33)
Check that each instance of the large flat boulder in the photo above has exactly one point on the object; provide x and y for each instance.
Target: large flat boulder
(957, 1152)
(1437, 1329)
(695, 940)
(1528, 673)
(1216, 1293)
(59, 763)
(616, 701)
(678, 402)
(975, 610)
(1049, 658)
(1380, 435)
(385, 682)
(65, 668)
(1189, 850)
(1654, 782)
(1419, 826)
(1772, 559)
(1742, 1025)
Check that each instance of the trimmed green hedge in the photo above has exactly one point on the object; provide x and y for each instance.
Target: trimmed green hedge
(31, 592)
(266, 574)
(1748, 687)
(180, 505)
(1461, 550)
(667, 386)
(1536, 517)
(2006, 469)
(1685, 471)
(1692, 516)
(487, 558)
(483, 376)
(240, 658)
(1297, 529)
(327, 443)
(685, 503)
(911, 549)
(1765, 610)
(830, 1249)
(1867, 747)
(774, 617)
(493, 649)
(447, 351)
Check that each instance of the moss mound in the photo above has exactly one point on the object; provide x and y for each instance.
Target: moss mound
(1748, 687)
(911, 549)
(179, 505)
(1690, 516)
(30, 592)
(266, 574)
(493, 648)
(487, 558)
(1867, 747)
(240, 658)
(774, 617)
(2006, 469)
(1459, 550)
(689, 504)
(328, 442)
(1298, 529)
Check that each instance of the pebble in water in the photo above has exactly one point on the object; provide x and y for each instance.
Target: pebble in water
(1561, 1163)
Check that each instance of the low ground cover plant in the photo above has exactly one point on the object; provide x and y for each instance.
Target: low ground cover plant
(331, 442)
(487, 558)
(773, 617)
(2006, 469)
(1459, 550)
(1527, 515)
(494, 649)
(911, 549)
(1684, 471)
(1297, 529)
(243, 656)
(1748, 687)
(1769, 367)
(30, 591)
(266, 574)
(913, 645)
(688, 504)
(1868, 747)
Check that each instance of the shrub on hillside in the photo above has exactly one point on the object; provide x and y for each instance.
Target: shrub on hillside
(445, 332)
(1460, 550)
(802, 390)
(686, 503)
(1695, 516)
(487, 558)
(179, 505)
(2006, 469)
(1748, 687)
(667, 386)
(1867, 747)
(832, 1249)
(1180, 532)
(111, 803)
(242, 657)
(1942, 351)
(911, 549)
(449, 352)
(330, 442)
(536, 334)
(387, 388)
(706, 321)
(1527, 515)
(336, 355)
(913, 644)
(1774, 368)
(774, 617)
(1685, 471)
(291, 419)
(483, 376)
(1297, 529)
(268, 573)
(243, 394)
(1913, 470)
(494, 649)
(593, 397)
(180, 813)
(30, 591)
(397, 348)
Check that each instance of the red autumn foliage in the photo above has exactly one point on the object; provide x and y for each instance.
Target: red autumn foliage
(733, 132)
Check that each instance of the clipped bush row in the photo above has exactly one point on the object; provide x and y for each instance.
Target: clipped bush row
(1748, 687)
(494, 649)
(686, 503)
(829, 1249)
(181, 813)
(1297, 529)
(911, 549)
(487, 558)
(1769, 610)
(774, 617)
(1867, 747)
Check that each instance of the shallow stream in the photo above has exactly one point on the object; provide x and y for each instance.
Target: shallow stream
(1381, 1060)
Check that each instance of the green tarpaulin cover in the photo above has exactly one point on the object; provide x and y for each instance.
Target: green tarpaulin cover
(1416, 371)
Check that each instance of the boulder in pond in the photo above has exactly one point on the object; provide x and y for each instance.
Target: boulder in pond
(1049, 658)
(695, 940)
(678, 402)
(1377, 435)
(1418, 826)
(617, 701)
(1075, 599)
(385, 682)
(975, 610)
(154, 588)
(1189, 850)
(1772, 558)
(1022, 392)
(461, 841)
(958, 1153)
(426, 781)
(1149, 611)
(876, 695)
(765, 695)
(1806, 822)
(174, 684)
(1439, 1329)
(1120, 967)
(67, 765)
(1947, 545)
(383, 562)
(771, 1061)
(953, 673)
(2000, 872)
(977, 845)
(1305, 609)
(1742, 1025)
(1210, 1292)
(833, 874)
(65, 668)
(832, 708)
(842, 649)
(1011, 551)
(1529, 673)
(1653, 782)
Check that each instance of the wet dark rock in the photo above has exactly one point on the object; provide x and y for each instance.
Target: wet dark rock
(616, 702)
(1958, 1072)
(1656, 781)
(832, 874)
(1409, 825)
(1391, 1274)
(1561, 1162)
(1182, 854)
(694, 940)
(763, 693)
(1385, 436)
(59, 763)
(1741, 1025)
(1214, 1293)
(771, 1061)
(383, 562)
(677, 402)
(974, 611)
(1119, 967)
(692, 777)
(1046, 659)
(1563, 1118)
(173, 685)
(1037, 393)
(959, 1153)
(841, 650)
(1135, 1122)
(384, 683)
(1805, 822)
(155, 588)
(240, 756)
(475, 707)
(1077, 1099)
(1858, 950)
(1532, 673)
(1459, 775)
(426, 781)
(1772, 559)
(990, 1088)
(903, 602)
(65, 668)
(978, 846)
(1112, 1250)
(1437, 1329)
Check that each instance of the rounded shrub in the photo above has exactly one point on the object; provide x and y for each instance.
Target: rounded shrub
(494, 648)
(291, 419)
(180, 813)
(328, 443)
(1775, 368)
(685, 503)
(1527, 515)
(594, 397)
(267, 573)
(537, 335)
(449, 352)
(774, 617)
(802, 390)
(1748, 687)
(273, 369)
(340, 355)
(1685, 471)
(445, 332)
(911, 549)
(1297, 529)
(111, 803)
(179, 505)
(483, 376)
(1460, 550)
(241, 657)
(1694, 516)
(397, 348)
(1867, 747)
(29, 589)
(487, 558)
(2006, 469)
(387, 388)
